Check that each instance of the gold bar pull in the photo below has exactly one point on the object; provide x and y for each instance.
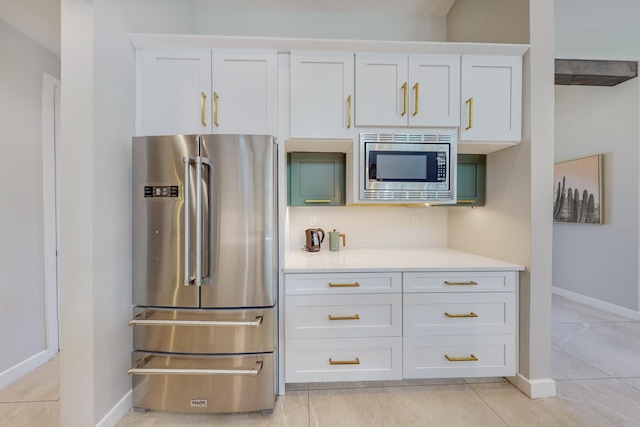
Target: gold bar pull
(404, 102)
(215, 109)
(470, 102)
(471, 358)
(349, 112)
(344, 362)
(456, 316)
(416, 88)
(355, 317)
(317, 201)
(344, 285)
(203, 96)
(469, 283)
(466, 201)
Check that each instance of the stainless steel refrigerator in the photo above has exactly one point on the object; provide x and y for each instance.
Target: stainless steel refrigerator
(205, 270)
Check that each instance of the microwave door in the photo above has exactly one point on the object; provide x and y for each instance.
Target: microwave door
(163, 208)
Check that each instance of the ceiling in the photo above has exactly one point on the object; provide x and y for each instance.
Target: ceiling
(40, 19)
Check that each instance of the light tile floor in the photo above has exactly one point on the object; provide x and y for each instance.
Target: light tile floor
(595, 362)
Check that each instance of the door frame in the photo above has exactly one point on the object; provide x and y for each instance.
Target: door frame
(50, 139)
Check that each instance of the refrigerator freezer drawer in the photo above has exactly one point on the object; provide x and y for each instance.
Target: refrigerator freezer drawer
(204, 331)
(203, 384)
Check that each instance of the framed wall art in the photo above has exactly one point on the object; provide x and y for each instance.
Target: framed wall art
(578, 191)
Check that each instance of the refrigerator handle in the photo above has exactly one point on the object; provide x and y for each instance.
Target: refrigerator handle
(200, 161)
(187, 222)
(206, 279)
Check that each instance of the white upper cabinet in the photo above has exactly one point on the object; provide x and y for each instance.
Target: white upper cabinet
(176, 86)
(186, 91)
(321, 94)
(491, 98)
(245, 92)
(407, 90)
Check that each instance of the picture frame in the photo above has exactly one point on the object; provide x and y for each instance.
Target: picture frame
(578, 191)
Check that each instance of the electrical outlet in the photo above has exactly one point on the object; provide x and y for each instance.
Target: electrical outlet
(313, 220)
(414, 220)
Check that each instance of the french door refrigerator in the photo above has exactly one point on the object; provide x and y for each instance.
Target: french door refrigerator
(204, 273)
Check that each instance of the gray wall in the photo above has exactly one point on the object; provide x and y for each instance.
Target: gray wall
(22, 310)
(599, 263)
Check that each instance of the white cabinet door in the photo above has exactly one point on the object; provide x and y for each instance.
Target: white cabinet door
(176, 86)
(434, 90)
(321, 94)
(491, 98)
(245, 95)
(407, 90)
(382, 89)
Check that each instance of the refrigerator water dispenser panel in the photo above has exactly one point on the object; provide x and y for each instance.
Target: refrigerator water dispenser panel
(161, 191)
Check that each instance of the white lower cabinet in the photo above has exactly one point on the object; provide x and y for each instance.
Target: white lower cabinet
(390, 326)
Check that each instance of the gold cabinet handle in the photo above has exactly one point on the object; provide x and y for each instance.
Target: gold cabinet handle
(317, 201)
(354, 317)
(456, 316)
(469, 283)
(349, 112)
(215, 109)
(404, 102)
(344, 362)
(344, 285)
(203, 97)
(416, 88)
(470, 103)
(470, 358)
(466, 201)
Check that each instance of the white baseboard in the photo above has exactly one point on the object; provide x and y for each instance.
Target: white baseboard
(116, 413)
(596, 303)
(535, 389)
(15, 372)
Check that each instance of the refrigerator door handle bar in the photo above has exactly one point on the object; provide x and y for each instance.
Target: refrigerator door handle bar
(187, 222)
(140, 321)
(205, 280)
(137, 370)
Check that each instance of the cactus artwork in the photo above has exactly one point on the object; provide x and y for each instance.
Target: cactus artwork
(577, 191)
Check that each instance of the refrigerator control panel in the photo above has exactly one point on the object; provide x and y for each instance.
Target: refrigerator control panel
(160, 191)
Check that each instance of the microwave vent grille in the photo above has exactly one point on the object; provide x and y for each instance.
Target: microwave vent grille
(407, 137)
(418, 196)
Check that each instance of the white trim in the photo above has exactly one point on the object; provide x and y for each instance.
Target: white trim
(535, 389)
(118, 411)
(17, 371)
(50, 120)
(596, 303)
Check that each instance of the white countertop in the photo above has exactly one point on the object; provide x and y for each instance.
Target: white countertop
(391, 259)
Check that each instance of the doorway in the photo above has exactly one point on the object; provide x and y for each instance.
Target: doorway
(50, 139)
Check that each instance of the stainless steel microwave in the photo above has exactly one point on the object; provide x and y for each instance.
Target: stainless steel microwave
(408, 168)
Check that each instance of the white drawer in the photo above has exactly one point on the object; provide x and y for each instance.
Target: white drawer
(464, 281)
(459, 314)
(343, 359)
(342, 283)
(468, 356)
(331, 316)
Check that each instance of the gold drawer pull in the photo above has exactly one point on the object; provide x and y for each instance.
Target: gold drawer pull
(472, 314)
(356, 317)
(344, 362)
(344, 285)
(469, 283)
(317, 201)
(471, 358)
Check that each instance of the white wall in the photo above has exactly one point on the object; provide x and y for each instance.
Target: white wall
(601, 261)
(298, 24)
(22, 310)
(373, 227)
